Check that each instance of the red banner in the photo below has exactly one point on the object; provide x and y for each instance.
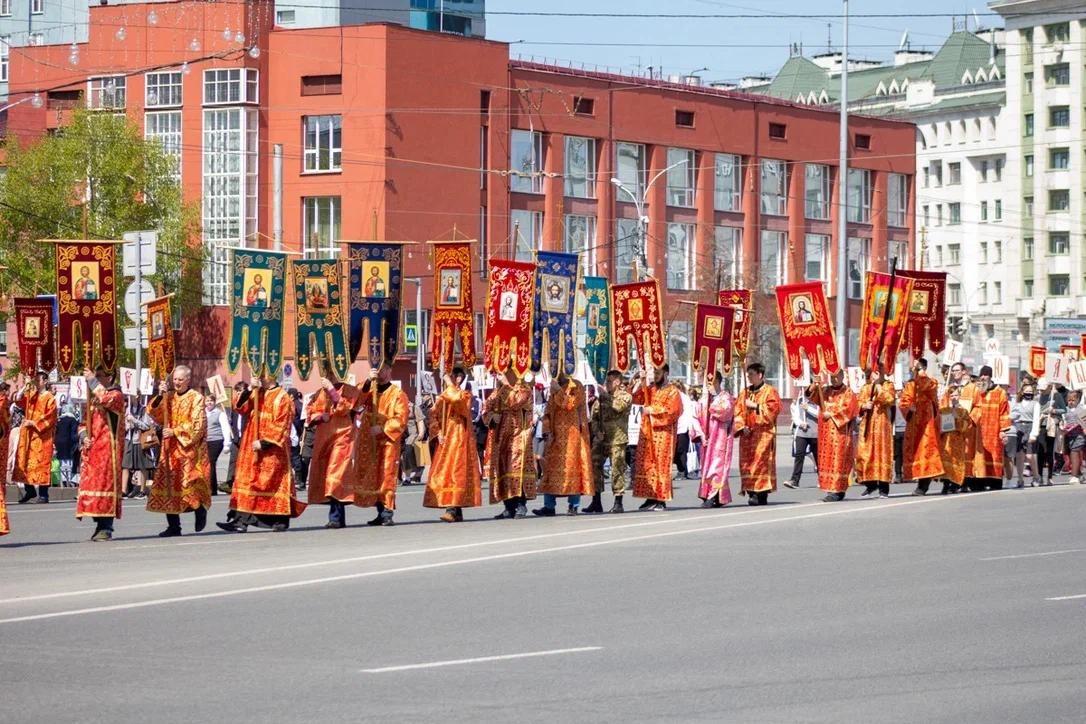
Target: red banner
(34, 324)
(806, 327)
(87, 304)
(160, 345)
(510, 303)
(714, 327)
(452, 317)
(1037, 360)
(743, 300)
(1070, 352)
(636, 313)
(882, 329)
(927, 311)
(1082, 346)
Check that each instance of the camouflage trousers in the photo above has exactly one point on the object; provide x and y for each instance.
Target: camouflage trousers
(620, 476)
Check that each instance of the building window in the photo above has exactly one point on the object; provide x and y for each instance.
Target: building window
(859, 255)
(1027, 83)
(937, 173)
(1027, 248)
(926, 215)
(580, 167)
(165, 128)
(816, 251)
(817, 191)
(626, 245)
(727, 255)
(526, 231)
(580, 239)
(997, 252)
(983, 210)
(584, 106)
(631, 168)
(680, 256)
(859, 196)
(1058, 74)
(1059, 243)
(230, 85)
(984, 252)
(106, 93)
(5, 58)
(938, 214)
(938, 256)
(320, 226)
(1059, 200)
(678, 349)
(982, 294)
(526, 161)
(5, 8)
(728, 182)
(1028, 125)
(1059, 159)
(774, 184)
(37, 7)
(1059, 285)
(684, 119)
(323, 143)
(999, 210)
(1059, 117)
(1058, 32)
(900, 250)
(163, 90)
(778, 131)
(927, 177)
(1027, 206)
(997, 292)
(898, 200)
(863, 142)
(954, 212)
(284, 17)
(954, 254)
(680, 177)
(955, 174)
(322, 85)
(984, 172)
(772, 257)
(1027, 288)
(35, 39)
(1029, 165)
(1027, 45)
(954, 295)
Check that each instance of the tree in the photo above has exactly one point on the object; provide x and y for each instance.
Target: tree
(100, 175)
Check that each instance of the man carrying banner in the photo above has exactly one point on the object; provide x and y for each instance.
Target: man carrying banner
(920, 405)
(332, 477)
(103, 447)
(510, 463)
(183, 476)
(875, 451)
(610, 428)
(384, 410)
(836, 453)
(756, 413)
(991, 414)
(34, 452)
(567, 455)
(661, 407)
(454, 474)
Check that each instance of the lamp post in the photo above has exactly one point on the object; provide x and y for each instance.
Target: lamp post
(639, 205)
(417, 281)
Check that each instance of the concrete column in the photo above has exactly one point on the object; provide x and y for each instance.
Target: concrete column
(553, 191)
(705, 276)
(880, 247)
(796, 221)
(751, 204)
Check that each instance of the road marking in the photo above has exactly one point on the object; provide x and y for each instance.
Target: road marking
(456, 562)
(222, 539)
(1035, 555)
(1054, 598)
(481, 659)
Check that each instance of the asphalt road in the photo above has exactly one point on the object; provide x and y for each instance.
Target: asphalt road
(955, 609)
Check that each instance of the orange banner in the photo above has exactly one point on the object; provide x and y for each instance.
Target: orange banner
(452, 317)
(742, 300)
(806, 327)
(1037, 360)
(160, 344)
(882, 329)
(714, 327)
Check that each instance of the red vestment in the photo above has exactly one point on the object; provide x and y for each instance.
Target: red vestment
(263, 484)
(100, 469)
(454, 474)
(567, 457)
(660, 413)
(34, 454)
(331, 470)
(758, 448)
(836, 454)
(377, 457)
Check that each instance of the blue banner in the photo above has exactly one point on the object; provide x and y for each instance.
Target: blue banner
(555, 301)
(376, 287)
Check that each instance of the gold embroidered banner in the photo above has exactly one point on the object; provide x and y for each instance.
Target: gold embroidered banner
(510, 304)
(806, 327)
(452, 317)
(34, 324)
(86, 304)
(714, 327)
(636, 313)
(160, 343)
(743, 301)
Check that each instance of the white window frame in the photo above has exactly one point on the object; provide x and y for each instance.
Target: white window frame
(637, 153)
(37, 7)
(325, 145)
(897, 200)
(729, 265)
(5, 8)
(103, 87)
(681, 256)
(580, 177)
(818, 191)
(953, 254)
(859, 262)
(585, 247)
(774, 187)
(526, 161)
(318, 211)
(858, 204)
(230, 86)
(770, 279)
(526, 238)
(681, 177)
(816, 250)
(728, 171)
(166, 128)
(5, 58)
(1059, 249)
(169, 81)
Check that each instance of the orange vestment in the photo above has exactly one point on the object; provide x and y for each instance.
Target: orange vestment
(34, 455)
(991, 414)
(920, 405)
(377, 457)
(100, 469)
(875, 451)
(835, 450)
(454, 473)
(567, 457)
(182, 479)
(660, 413)
(331, 470)
(952, 445)
(510, 463)
(263, 484)
(5, 438)
(758, 450)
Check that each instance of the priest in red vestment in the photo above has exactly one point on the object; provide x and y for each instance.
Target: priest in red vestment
(661, 407)
(102, 448)
(836, 452)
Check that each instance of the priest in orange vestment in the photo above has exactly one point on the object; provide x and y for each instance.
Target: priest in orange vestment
(991, 416)
(875, 448)
(510, 462)
(454, 473)
(103, 447)
(661, 406)
(332, 477)
(34, 452)
(920, 405)
(836, 453)
(182, 481)
(952, 445)
(756, 411)
(384, 410)
(567, 451)
(263, 493)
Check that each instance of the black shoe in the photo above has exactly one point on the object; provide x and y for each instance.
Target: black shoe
(170, 533)
(572, 510)
(521, 511)
(280, 527)
(28, 496)
(869, 490)
(752, 499)
(918, 491)
(647, 504)
(333, 524)
(386, 518)
(792, 484)
(543, 512)
(226, 488)
(659, 506)
(617, 507)
(253, 520)
(832, 498)
(763, 497)
(708, 503)
(233, 526)
(101, 535)
(375, 521)
(201, 519)
(596, 506)
(506, 515)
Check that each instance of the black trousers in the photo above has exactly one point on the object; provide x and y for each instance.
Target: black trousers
(214, 450)
(682, 446)
(800, 446)
(173, 520)
(899, 454)
(884, 488)
(105, 523)
(1046, 453)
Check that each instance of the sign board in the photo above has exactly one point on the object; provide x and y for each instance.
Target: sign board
(1001, 369)
(286, 375)
(952, 355)
(1076, 374)
(991, 345)
(633, 430)
(148, 246)
(804, 380)
(855, 377)
(217, 389)
(129, 381)
(78, 388)
(1062, 331)
(134, 297)
(130, 334)
(1056, 368)
(411, 336)
(147, 382)
(429, 385)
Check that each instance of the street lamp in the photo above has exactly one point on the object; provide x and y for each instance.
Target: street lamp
(417, 281)
(639, 206)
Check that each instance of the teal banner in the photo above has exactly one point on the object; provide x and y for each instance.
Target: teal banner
(597, 312)
(258, 309)
(321, 316)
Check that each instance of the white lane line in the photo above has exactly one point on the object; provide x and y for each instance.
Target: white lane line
(1035, 555)
(223, 539)
(1056, 598)
(478, 559)
(481, 659)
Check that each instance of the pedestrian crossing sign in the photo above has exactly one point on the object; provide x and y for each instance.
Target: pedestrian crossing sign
(411, 335)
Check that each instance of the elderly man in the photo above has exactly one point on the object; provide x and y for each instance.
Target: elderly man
(34, 453)
(103, 447)
(183, 477)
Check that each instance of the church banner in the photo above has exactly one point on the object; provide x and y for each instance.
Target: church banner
(1038, 358)
(375, 269)
(743, 300)
(556, 297)
(714, 327)
(259, 301)
(927, 311)
(452, 317)
(806, 326)
(636, 313)
(160, 343)
(510, 303)
(882, 329)
(87, 304)
(34, 326)
(322, 321)
(1082, 346)
(597, 349)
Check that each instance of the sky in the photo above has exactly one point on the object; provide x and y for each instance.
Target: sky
(748, 46)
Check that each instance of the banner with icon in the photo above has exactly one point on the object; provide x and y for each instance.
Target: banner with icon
(806, 327)
(452, 317)
(714, 328)
(555, 303)
(883, 324)
(636, 311)
(743, 301)
(322, 325)
(34, 331)
(926, 312)
(1037, 360)
(375, 272)
(597, 310)
(87, 304)
(507, 339)
(257, 311)
(160, 343)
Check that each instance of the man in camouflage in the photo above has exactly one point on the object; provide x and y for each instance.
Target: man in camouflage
(610, 419)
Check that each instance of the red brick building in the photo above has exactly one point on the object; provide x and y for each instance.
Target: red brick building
(411, 134)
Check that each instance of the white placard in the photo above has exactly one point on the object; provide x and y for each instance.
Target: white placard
(147, 382)
(952, 355)
(217, 389)
(78, 388)
(633, 429)
(1001, 369)
(1056, 368)
(804, 380)
(855, 376)
(1076, 375)
(428, 385)
(991, 345)
(899, 376)
(129, 381)
(351, 379)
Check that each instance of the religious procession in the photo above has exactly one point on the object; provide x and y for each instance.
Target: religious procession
(556, 423)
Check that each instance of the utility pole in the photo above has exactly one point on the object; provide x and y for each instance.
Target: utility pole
(842, 210)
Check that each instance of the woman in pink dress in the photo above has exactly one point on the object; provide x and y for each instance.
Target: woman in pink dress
(716, 421)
